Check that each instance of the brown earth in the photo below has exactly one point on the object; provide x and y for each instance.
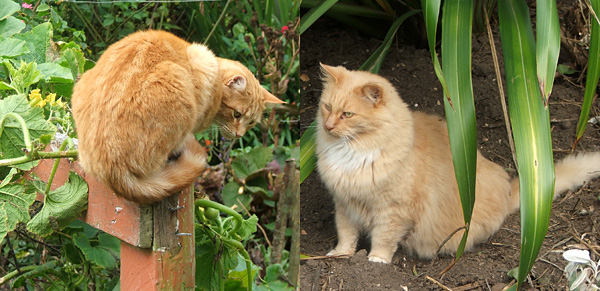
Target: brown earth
(573, 223)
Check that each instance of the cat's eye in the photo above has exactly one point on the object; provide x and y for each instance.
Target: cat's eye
(348, 114)
(236, 114)
(328, 107)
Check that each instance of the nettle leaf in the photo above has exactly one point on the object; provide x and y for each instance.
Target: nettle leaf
(231, 197)
(15, 200)
(205, 263)
(102, 254)
(251, 162)
(7, 8)
(10, 48)
(61, 206)
(11, 26)
(38, 43)
(11, 141)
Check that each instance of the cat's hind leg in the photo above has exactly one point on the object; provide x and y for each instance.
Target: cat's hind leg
(347, 232)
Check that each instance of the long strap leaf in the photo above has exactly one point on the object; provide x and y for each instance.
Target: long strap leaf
(593, 71)
(547, 46)
(314, 13)
(530, 120)
(457, 22)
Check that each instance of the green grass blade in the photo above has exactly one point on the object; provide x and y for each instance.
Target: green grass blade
(593, 71)
(308, 159)
(531, 129)
(315, 13)
(548, 45)
(352, 9)
(373, 63)
(457, 22)
(431, 13)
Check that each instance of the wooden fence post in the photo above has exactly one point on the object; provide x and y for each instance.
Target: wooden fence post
(157, 242)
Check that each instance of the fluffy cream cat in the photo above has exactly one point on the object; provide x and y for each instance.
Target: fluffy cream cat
(391, 174)
(136, 112)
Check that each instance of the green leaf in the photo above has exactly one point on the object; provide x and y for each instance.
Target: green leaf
(38, 42)
(11, 47)
(457, 22)
(239, 273)
(315, 13)
(10, 26)
(231, 197)
(75, 61)
(7, 8)
(3, 222)
(102, 254)
(11, 141)
(548, 45)
(205, 263)
(248, 227)
(61, 206)
(251, 162)
(593, 71)
(23, 77)
(55, 72)
(531, 129)
(431, 12)
(15, 200)
(373, 63)
(308, 157)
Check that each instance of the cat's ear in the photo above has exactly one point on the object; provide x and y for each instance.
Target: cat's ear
(328, 73)
(237, 82)
(270, 98)
(372, 92)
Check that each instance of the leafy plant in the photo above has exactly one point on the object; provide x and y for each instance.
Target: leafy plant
(581, 271)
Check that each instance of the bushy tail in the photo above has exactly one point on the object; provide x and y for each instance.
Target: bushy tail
(574, 170)
(571, 172)
(173, 178)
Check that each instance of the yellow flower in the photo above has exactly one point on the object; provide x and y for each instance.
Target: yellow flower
(51, 98)
(35, 98)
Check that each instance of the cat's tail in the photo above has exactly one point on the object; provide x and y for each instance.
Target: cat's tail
(571, 172)
(173, 178)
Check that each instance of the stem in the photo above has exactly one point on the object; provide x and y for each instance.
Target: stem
(14, 273)
(238, 218)
(54, 168)
(238, 245)
(35, 155)
(26, 137)
(218, 21)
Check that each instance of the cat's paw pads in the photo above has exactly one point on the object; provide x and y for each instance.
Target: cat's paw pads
(378, 260)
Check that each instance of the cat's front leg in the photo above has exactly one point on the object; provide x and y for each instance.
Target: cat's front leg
(347, 234)
(384, 241)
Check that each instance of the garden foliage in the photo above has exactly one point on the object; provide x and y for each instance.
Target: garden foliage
(44, 48)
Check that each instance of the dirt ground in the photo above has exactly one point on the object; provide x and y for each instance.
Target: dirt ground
(574, 221)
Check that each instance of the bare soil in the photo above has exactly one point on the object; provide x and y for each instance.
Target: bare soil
(574, 222)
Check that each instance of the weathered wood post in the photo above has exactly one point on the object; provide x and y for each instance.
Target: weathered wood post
(157, 242)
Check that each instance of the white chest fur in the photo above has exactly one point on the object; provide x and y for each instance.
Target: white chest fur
(343, 157)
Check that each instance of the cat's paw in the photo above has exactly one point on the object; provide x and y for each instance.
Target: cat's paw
(336, 253)
(375, 259)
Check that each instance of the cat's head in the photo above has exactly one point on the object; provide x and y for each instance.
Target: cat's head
(243, 99)
(356, 104)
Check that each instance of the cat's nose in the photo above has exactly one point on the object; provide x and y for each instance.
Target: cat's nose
(329, 127)
(238, 135)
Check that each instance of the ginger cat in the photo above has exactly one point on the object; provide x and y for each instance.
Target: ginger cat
(391, 174)
(136, 112)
